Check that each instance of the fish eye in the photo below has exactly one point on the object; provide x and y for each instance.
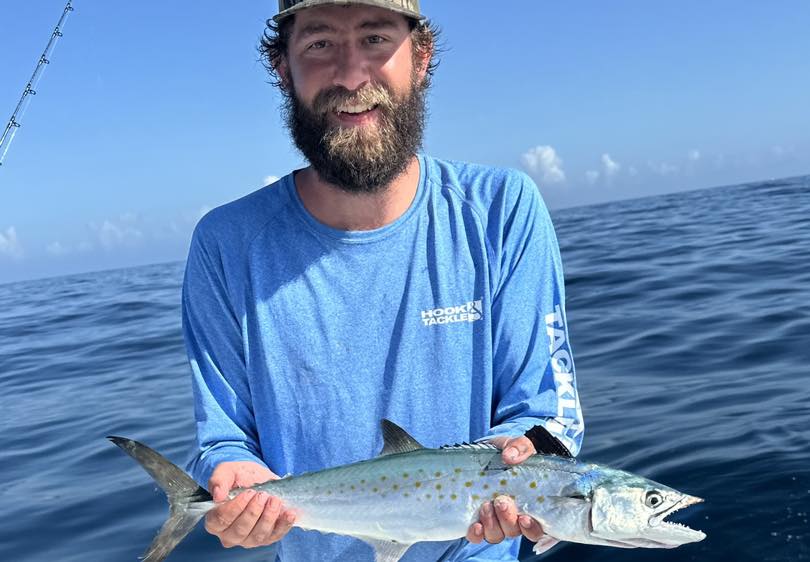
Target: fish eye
(653, 499)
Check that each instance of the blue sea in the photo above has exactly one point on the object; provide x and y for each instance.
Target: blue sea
(690, 320)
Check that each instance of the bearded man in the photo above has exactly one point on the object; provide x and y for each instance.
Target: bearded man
(377, 282)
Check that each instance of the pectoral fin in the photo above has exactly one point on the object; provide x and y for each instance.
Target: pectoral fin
(387, 551)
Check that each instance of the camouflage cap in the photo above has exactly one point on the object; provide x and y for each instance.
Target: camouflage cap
(409, 8)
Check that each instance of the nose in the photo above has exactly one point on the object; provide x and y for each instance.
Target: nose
(351, 70)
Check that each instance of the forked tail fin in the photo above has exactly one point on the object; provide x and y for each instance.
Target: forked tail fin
(188, 502)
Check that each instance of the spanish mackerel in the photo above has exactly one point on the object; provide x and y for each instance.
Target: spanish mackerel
(411, 493)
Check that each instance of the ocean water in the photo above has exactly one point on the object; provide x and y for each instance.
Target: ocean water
(690, 321)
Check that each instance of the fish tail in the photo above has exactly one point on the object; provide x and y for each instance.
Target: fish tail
(187, 501)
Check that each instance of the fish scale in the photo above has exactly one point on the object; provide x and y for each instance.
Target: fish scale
(410, 494)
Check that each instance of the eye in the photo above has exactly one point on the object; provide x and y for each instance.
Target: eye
(317, 45)
(653, 499)
(375, 39)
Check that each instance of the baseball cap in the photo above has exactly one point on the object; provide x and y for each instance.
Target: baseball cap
(409, 8)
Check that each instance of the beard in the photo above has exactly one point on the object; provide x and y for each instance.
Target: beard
(361, 159)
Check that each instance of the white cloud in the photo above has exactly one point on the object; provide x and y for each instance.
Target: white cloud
(543, 163)
(270, 179)
(122, 232)
(694, 155)
(57, 249)
(592, 176)
(10, 244)
(611, 166)
(662, 168)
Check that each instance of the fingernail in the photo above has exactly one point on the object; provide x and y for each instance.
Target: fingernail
(289, 517)
(524, 521)
(512, 453)
(501, 505)
(487, 509)
(478, 531)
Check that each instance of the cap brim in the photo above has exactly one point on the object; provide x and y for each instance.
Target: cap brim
(375, 3)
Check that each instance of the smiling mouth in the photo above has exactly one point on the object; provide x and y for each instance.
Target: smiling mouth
(355, 110)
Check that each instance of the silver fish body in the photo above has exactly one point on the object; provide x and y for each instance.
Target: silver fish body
(411, 494)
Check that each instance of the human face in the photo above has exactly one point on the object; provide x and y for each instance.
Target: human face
(349, 47)
(358, 117)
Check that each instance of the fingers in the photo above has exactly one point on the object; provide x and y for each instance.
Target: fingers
(500, 519)
(273, 523)
(530, 528)
(517, 450)
(493, 533)
(220, 519)
(475, 534)
(506, 514)
(251, 519)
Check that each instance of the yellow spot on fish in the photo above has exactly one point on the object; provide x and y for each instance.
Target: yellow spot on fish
(405, 475)
(468, 484)
(383, 478)
(396, 486)
(486, 486)
(454, 497)
(375, 489)
(533, 485)
(353, 487)
(541, 499)
(457, 470)
(438, 474)
(503, 481)
(363, 481)
(513, 472)
(476, 497)
(482, 473)
(438, 486)
(407, 494)
(328, 492)
(427, 496)
(494, 495)
(418, 484)
(441, 497)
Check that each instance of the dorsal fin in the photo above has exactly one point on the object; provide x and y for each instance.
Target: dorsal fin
(546, 444)
(397, 440)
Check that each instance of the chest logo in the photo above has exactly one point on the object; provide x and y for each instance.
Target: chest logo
(467, 312)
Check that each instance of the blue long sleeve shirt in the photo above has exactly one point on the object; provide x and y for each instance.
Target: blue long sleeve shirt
(450, 321)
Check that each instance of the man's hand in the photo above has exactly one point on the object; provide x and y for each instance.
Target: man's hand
(251, 519)
(500, 518)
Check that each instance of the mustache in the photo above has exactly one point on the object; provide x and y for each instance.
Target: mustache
(371, 94)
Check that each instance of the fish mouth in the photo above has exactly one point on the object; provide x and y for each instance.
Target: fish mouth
(677, 530)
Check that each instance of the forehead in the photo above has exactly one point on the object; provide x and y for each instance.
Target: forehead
(345, 19)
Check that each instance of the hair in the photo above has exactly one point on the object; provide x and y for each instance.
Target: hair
(275, 40)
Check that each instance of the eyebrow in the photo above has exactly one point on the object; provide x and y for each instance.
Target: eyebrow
(372, 25)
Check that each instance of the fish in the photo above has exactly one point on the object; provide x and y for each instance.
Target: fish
(411, 493)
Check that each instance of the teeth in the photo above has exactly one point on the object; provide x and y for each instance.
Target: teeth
(355, 108)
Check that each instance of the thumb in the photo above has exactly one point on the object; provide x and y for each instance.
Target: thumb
(220, 484)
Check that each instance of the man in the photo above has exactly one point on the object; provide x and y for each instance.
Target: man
(376, 283)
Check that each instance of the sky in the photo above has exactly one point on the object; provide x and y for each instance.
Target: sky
(153, 112)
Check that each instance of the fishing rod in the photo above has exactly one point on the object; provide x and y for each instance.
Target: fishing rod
(16, 117)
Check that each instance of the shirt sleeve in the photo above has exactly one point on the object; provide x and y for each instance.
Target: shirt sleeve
(226, 428)
(534, 380)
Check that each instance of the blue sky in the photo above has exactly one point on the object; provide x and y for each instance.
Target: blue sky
(153, 112)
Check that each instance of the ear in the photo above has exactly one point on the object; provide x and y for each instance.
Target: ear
(282, 68)
(422, 61)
